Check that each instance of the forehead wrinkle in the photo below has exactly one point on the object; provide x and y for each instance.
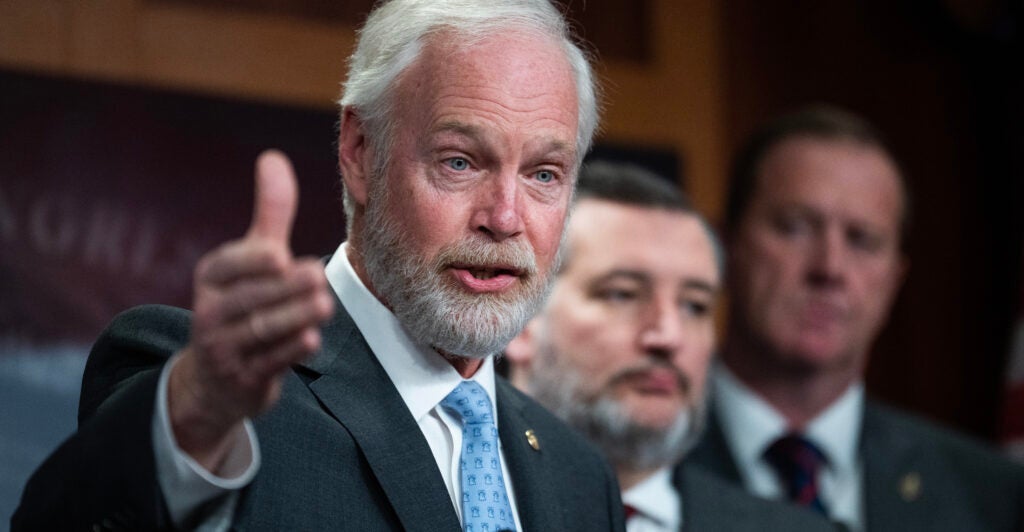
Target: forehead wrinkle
(538, 143)
(458, 127)
(497, 110)
(455, 84)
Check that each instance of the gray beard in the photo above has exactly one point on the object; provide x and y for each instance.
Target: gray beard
(429, 305)
(606, 421)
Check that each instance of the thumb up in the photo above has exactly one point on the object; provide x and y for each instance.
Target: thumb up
(257, 311)
(275, 199)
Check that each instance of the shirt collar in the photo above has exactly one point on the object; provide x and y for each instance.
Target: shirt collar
(422, 376)
(751, 424)
(835, 430)
(748, 422)
(656, 499)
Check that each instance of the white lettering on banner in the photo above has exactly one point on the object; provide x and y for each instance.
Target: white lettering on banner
(52, 229)
(103, 240)
(144, 247)
(112, 238)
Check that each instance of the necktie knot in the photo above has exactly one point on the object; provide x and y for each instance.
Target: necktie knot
(469, 402)
(797, 461)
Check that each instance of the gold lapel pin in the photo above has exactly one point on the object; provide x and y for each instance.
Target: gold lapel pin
(910, 486)
(531, 438)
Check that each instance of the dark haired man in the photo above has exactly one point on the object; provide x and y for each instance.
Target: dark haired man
(816, 225)
(621, 349)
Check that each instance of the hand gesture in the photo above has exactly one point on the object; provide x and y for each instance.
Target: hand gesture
(257, 310)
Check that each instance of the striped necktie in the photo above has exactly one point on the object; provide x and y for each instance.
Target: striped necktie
(796, 462)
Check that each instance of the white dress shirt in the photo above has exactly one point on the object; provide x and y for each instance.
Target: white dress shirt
(750, 425)
(423, 378)
(658, 506)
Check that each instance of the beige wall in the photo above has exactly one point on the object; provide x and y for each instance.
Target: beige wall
(674, 102)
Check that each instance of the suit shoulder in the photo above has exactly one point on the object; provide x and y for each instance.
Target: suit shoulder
(968, 454)
(155, 327)
(137, 339)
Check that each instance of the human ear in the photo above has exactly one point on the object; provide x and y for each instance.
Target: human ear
(354, 157)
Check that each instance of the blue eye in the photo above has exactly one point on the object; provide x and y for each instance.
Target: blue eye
(458, 164)
(545, 176)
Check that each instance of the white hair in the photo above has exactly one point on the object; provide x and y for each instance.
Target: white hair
(392, 40)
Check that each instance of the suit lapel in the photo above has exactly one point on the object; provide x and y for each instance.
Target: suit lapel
(356, 390)
(713, 452)
(890, 472)
(697, 504)
(530, 468)
(705, 508)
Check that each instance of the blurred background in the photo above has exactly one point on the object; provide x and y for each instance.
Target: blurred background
(128, 129)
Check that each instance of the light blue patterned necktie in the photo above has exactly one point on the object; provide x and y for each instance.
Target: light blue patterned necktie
(485, 506)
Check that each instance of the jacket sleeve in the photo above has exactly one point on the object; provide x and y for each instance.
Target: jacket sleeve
(104, 476)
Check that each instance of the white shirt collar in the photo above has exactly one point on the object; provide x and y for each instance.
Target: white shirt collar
(422, 376)
(835, 431)
(751, 424)
(656, 499)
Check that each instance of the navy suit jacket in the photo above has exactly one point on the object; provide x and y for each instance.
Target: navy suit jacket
(713, 504)
(340, 449)
(917, 476)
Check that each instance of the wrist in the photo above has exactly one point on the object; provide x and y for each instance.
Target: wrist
(199, 429)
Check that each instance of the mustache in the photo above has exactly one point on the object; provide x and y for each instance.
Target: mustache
(647, 366)
(513, 254)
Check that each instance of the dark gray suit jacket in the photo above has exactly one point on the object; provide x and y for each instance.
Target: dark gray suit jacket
(917, 476)
(340, 449)
(712, 504)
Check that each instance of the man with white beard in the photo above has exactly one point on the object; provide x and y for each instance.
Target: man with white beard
(463, 124)
(621, 349)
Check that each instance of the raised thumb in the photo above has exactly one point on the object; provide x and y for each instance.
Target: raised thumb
(276, 197)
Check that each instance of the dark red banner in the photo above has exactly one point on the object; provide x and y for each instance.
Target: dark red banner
(109, 194)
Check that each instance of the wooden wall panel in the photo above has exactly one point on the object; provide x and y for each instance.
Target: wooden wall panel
(35, 34)
(676, 99)
(662, 82)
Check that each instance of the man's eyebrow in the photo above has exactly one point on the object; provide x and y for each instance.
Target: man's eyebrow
(557, 148)
(460, 128)
(545, 145)
(701, 285)
(633, 275)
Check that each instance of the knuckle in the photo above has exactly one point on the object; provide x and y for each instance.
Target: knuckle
(271, 258)
(202, 270)
(204, 312)
(310, 340)
(323, 305)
